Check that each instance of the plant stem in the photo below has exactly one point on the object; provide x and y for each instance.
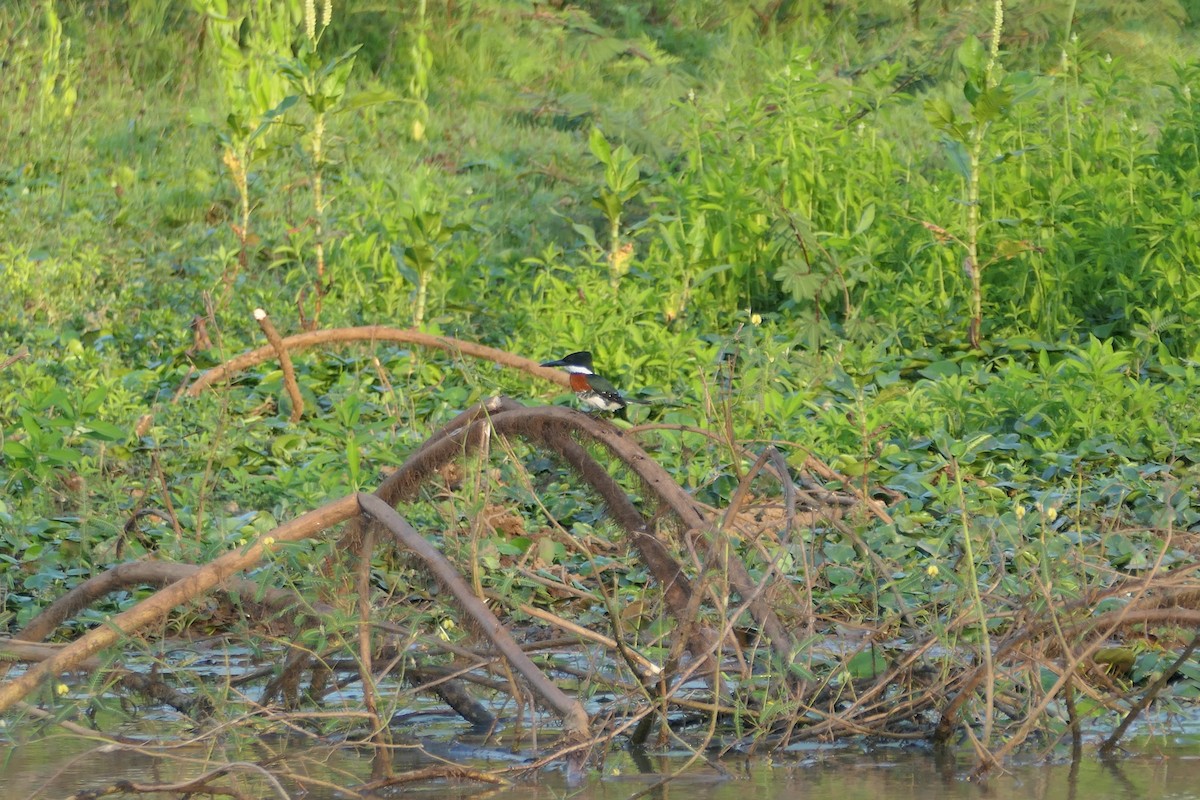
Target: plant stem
(422, 294)
(319, 209)
(614, 251)
(972, 268)
(235, 162)
(985, 642)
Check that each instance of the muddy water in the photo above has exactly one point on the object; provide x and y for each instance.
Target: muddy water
(1162, 768)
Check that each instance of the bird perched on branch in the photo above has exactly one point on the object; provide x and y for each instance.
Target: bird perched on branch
(591, 389)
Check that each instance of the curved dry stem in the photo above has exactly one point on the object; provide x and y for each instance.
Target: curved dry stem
(158, 605)
(552, 427)
(153, 573)
(374, 333)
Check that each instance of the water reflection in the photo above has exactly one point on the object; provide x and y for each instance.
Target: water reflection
(58, 766)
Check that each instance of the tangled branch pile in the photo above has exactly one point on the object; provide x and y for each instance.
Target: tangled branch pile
(740, 637)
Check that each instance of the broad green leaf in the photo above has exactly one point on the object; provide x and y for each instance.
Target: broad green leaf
(550, 551)
(971, 91)
(866, 664)
(972, 56)
(865, 219)
(367, 99)
(105, 431)
(17, 451)
(600, 147)
(268, 119)
(93, 400)
(710, 272)
(841, 576)
(940, 114)
(62, 456)
(589, 235)
(31, 424)
(940, 369)
(991, 104)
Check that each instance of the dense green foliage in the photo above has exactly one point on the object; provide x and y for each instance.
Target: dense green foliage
(761, 215)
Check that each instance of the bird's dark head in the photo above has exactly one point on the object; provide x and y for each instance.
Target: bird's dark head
(575, 362)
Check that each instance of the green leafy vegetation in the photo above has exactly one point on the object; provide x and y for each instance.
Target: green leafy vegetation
(948, 254)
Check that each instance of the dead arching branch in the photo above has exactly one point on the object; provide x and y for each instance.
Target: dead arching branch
(160, 604)
(550, 428)
(149, 573)
(553, 429)
(369, 334)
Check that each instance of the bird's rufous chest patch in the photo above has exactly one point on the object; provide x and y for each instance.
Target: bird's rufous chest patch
(579, 382)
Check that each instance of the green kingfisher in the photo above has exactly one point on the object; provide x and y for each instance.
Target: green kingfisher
(590, 388)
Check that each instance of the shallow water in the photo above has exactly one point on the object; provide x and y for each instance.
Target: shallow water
(53, 764)
(58, 766)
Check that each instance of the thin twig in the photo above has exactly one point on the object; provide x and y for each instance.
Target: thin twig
(14, 358)
(285, 363)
